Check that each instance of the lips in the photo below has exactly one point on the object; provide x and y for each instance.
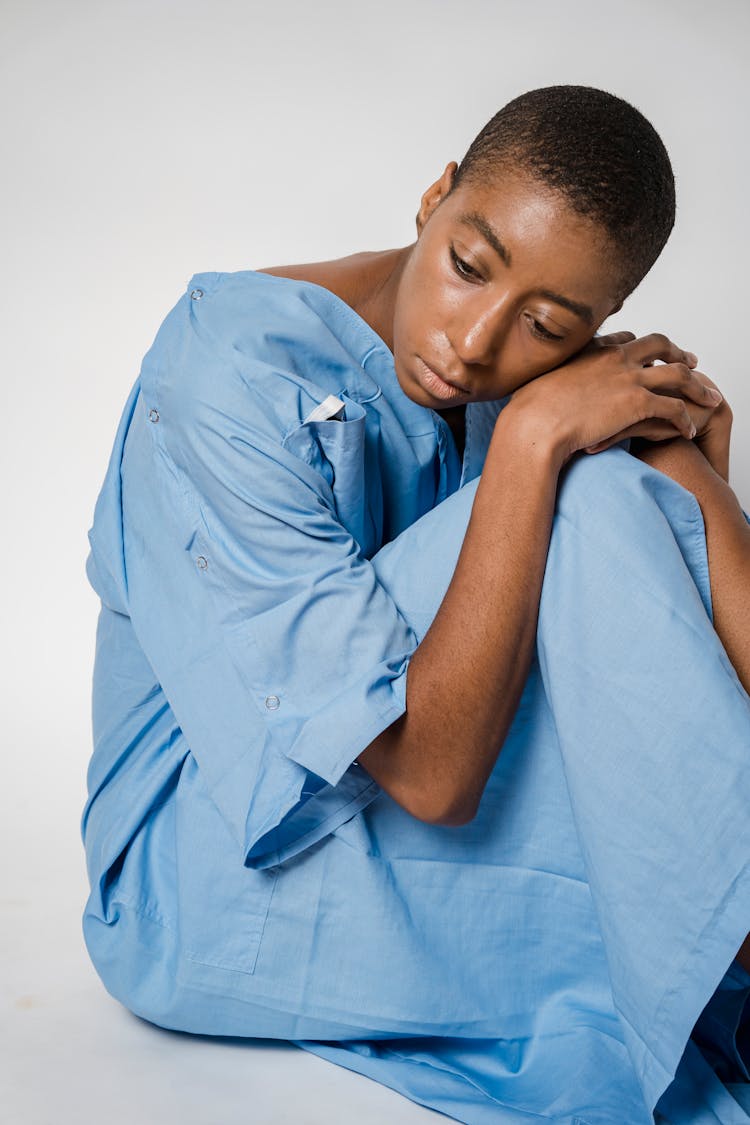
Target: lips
(439, 386)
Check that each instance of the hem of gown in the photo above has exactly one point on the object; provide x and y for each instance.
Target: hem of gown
(444, 1091)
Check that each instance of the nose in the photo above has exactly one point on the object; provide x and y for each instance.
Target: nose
(477, 332)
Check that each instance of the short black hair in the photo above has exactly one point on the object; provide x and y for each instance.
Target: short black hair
(599, 152)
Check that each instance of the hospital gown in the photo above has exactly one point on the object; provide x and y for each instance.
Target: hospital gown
(277, 528)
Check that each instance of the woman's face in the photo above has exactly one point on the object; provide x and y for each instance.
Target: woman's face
(504, 283)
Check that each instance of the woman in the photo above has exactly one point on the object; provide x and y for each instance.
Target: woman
(420, 735)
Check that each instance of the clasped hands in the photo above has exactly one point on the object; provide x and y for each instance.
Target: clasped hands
(622, 386)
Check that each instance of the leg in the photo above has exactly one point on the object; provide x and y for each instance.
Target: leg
(654, 731)
(653, 728)
(727, 539)
(728, 542)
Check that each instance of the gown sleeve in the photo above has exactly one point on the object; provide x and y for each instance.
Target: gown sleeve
(281, 654)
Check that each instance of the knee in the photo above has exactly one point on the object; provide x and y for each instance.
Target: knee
(616, 514)
(684, 463)
(616, 492)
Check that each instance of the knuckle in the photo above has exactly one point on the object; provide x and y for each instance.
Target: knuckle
(661, 341)
(644, 403)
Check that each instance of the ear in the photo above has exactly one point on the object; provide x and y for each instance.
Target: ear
(435, 194)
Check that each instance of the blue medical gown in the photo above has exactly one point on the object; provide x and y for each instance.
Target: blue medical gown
(266, 570)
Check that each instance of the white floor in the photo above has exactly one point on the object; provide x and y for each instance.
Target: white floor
(72, 1055)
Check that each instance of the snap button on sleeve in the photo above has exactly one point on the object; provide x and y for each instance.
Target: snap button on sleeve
(196, 294)
(201, 562)
(273, 702)
(153, 415)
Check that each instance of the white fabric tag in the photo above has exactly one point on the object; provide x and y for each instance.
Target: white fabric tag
(330, 407)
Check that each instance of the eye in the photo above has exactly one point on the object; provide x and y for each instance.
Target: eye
(462, 268)
(540, 330)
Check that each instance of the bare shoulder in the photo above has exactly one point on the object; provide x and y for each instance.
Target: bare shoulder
(334, 276)
(342, 275)
(316, 272)
(354, 278)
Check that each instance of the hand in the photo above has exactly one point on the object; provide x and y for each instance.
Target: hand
(613, 389)
(713, 426)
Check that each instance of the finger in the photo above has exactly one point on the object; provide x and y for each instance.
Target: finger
(602, 445)
(652, 429)
(670, 409)
(658, 429)
(614, 338)
(678, 378)
(706, 379)
(655, 346)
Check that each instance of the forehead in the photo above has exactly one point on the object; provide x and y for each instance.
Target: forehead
(517, 223)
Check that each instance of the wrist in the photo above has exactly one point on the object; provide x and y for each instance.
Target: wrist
(534, 435)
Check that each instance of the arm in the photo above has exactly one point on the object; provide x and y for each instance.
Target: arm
(713, 439)
(465, 679)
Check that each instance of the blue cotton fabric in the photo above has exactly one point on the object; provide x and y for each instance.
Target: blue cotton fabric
(264, 580)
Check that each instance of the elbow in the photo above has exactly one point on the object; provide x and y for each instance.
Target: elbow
(447, 810)
(431, 797)
(454, 818)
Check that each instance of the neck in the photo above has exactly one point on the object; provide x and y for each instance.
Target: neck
(372, 286)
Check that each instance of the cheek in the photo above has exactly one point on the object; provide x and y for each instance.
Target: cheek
(544, 364)
(546, 358)
(409, 314)
(523, 360)
(400, 326)
(420, 297)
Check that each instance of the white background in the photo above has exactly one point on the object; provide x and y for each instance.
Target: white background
(144, 141)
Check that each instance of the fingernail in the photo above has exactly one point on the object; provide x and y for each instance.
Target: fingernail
(693, 431)
(717, 396)
(692, 359)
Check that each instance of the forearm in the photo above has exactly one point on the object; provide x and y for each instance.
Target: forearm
(466, 678)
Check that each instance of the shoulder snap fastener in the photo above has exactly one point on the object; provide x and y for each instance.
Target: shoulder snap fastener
(201, 562)
(273, 702)
(153, 415)
(196, 294)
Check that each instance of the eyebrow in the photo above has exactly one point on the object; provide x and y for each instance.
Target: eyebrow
(474, 219)
(584, 311)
